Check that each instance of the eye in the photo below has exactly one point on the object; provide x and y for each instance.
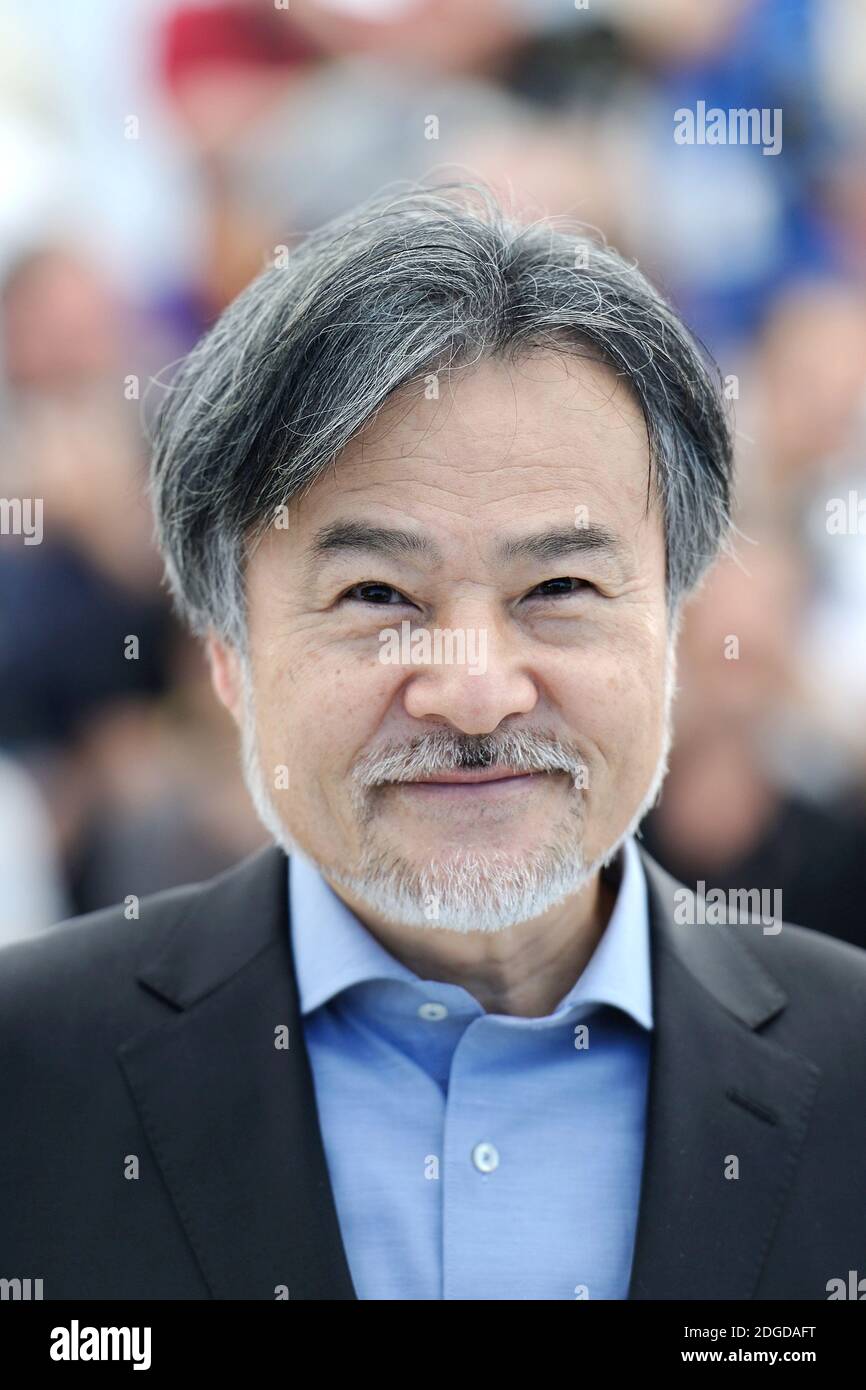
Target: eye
(373, 592)
(562, 587)
(376, 594)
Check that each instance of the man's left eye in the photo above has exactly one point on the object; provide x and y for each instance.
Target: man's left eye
(560, 588)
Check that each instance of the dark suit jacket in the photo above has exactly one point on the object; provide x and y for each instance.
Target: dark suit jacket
(155, 1039)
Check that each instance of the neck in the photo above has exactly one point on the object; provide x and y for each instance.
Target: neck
(523, 970)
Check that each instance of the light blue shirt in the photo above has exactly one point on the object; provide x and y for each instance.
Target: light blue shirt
(476, 1155)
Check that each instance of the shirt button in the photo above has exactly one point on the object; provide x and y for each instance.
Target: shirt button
(485, 1157)
(433, 1012)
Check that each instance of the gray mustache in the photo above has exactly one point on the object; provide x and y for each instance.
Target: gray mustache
(520, 751)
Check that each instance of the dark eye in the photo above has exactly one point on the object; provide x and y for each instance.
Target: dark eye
(559, 588)
(374, 593)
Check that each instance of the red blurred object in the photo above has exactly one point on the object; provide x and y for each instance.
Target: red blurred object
(231, 34)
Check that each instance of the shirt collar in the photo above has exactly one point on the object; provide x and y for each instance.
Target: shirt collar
(333, 950)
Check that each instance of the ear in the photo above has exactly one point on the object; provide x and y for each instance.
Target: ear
(225, 674)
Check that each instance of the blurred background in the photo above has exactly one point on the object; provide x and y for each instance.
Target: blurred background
(155, 156)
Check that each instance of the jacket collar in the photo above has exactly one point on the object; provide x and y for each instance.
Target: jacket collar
(229, 1111)
(232, 1120)
(727, 1112)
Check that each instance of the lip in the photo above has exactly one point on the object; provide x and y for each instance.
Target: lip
(485, 784)
(470, 777)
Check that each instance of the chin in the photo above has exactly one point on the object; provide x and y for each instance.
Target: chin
(469, 890)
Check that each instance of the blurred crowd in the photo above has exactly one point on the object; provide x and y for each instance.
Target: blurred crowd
(157, 155)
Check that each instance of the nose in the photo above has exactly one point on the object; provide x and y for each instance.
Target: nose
(476, 693)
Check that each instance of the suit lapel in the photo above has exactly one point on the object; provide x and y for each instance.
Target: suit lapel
(231, 1119)
(718, 1090)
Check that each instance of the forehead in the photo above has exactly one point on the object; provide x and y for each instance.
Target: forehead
(497, 447)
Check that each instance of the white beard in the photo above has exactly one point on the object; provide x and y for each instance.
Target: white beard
(471, 890)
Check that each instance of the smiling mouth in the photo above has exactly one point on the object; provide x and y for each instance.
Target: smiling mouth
(479, 781)
(473, 775)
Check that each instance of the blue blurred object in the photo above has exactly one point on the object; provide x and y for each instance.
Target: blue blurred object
(754, 221)
(62, 630)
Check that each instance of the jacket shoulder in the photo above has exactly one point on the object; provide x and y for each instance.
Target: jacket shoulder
(804, 960)
(90, 951)
(823, 981)
(806, 988)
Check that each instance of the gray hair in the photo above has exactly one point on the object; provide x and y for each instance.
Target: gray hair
(408, 284)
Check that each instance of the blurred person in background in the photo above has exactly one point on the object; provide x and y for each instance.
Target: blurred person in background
(807, 426)
(802, 468)
(86, 637)
(32, 892)
(224, 67)
(724, 226)
(69, 604)
(168, 800)
(751, 794)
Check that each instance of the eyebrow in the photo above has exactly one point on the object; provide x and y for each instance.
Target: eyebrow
(561, 542)
(343, 537)
(353, 537)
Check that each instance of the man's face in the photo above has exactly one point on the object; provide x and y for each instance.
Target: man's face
(547, 659)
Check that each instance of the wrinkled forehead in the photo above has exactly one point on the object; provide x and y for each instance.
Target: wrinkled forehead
(545, 430)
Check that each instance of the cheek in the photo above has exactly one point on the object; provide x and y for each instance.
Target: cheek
(617, 707)
(325, 710)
